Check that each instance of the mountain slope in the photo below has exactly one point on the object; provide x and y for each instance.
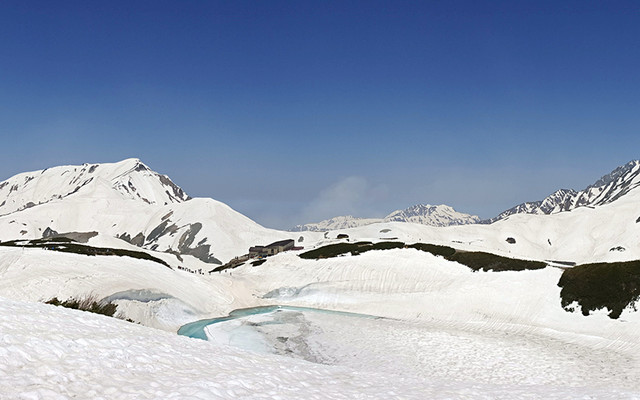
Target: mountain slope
(126, 200)
(605, 190)
(130, 179)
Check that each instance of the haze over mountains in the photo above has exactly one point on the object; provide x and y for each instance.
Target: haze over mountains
(426, 214)
(605, 190)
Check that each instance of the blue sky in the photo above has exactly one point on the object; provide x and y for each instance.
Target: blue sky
(295, 111)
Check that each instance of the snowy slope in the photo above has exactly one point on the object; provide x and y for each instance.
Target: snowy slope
(426, 214)
(605, 190)
(129, 179)
(604, 233)
(451, 333)
(50, 352)
(129, 201)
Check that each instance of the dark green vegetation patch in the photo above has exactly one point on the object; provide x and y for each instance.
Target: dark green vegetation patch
(67, 245)
(596, 286)
(88, 304)
(472, 259)
(477, 260)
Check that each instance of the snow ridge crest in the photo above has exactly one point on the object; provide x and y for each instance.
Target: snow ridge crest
(129, 179)
(605, 190)
(425, 214)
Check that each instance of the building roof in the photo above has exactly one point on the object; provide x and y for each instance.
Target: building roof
(281, 243)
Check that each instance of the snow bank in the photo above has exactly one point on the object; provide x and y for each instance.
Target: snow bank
(52, 353)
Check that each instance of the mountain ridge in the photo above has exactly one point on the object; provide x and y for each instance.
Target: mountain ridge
(129, 202)
(605, 190)
(425, 214)
(128, 177)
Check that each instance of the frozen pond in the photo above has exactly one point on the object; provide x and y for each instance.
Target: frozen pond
(196, 329)
(421, 350)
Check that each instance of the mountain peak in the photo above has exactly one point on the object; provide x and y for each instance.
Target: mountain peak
(621, 171)
(129, 179)
(425, 214)
(607, 189)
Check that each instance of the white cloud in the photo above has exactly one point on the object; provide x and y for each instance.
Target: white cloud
(352, 195)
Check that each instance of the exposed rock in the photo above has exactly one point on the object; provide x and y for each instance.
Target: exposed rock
(161, 230)
(49, 233)
(138, 240)
(178, 193)
(79, 237)
(201, 251)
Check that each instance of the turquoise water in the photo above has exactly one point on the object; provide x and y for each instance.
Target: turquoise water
(196, 329)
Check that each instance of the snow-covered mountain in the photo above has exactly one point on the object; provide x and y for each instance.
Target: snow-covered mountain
(543, 350)
(605, 190)
(128, 179)
(341, 222)
(128, 201)
(425, 214)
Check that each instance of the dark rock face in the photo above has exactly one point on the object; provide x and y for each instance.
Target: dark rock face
(78, 237)
(163, 229)
(49, 233)
(201, 251)
(185, 244)
(137, 240)
(178, 193)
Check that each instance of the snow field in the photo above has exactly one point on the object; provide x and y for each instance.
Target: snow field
(413, 285)
(48, 352)
(429, 351)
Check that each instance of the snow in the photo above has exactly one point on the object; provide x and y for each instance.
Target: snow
(125, 197)
(584, 235)
(447, 333)
(426, 214)
(48, 352)
(428, 351)
(53, 353)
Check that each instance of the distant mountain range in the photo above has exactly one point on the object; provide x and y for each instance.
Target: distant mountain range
(426, 214)
(128, 202)
(605, 190)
